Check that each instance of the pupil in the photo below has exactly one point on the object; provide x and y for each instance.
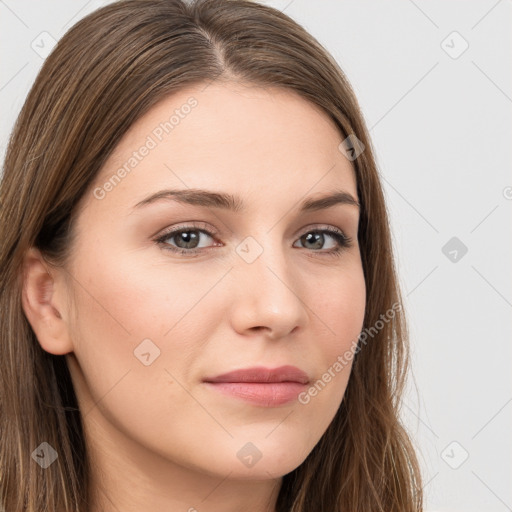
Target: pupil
(317, 239)
(189, 238)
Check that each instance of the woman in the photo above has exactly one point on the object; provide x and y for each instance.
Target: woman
(200, 309)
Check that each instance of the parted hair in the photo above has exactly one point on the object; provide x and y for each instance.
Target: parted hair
(107, 71)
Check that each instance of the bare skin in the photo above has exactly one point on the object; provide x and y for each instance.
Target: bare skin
(159, 437)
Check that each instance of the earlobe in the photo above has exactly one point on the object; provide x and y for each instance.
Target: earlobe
(40, 300)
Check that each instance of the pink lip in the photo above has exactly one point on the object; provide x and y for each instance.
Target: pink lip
(262, 386)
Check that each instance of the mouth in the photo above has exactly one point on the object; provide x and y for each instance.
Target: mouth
(261, 386)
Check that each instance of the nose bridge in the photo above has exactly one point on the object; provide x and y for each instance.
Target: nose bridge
(264, 259)
(267, 292)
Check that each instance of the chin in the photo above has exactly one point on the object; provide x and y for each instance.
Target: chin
(264, 470)
(266, 458)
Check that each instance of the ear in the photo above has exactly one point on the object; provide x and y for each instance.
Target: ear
(43, 301)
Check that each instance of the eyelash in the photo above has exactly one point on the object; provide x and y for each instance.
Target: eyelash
(344, 241)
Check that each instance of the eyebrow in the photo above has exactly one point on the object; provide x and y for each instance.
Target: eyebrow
(233, 203)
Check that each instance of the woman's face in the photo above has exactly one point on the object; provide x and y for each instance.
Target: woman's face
(263, 286)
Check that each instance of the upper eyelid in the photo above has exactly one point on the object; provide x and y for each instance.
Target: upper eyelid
(202, 226)
(213, 233)
(190, 227)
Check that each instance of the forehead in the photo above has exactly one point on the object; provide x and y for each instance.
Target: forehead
(231, 137)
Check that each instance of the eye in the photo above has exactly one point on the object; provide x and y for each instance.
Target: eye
(316, 239)
(187, 240)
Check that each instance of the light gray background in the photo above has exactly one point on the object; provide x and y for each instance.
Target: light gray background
(441, 126)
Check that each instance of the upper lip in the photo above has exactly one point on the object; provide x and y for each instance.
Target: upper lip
(261, 374)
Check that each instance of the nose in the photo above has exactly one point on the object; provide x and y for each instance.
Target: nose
(268, 295)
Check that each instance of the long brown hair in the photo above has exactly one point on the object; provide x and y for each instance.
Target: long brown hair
(106, 72)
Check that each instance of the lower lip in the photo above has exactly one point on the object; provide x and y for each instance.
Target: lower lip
(266, 394)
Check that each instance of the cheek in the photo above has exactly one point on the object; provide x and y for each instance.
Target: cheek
(340, 308)
(138, 318)
(340, 305)
(129, 299)
(339, 320)
(127, 366)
